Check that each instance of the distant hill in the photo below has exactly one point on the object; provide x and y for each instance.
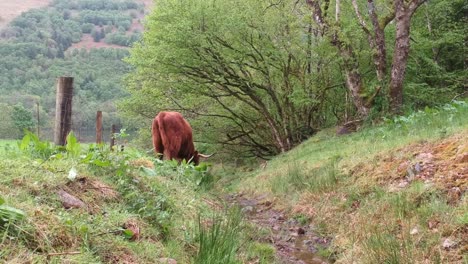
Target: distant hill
(86, 39)
(9, 9)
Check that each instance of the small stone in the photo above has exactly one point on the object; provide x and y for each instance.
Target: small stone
(448, 243)
(70, 201)
(417, 167)
(432, 224)
(414, 231)
(462, 158)
(247, 209)
(167, 261)
(403, 184)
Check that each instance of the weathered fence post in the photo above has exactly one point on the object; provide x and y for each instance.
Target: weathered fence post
(38, 121)
(112, 139)
(63, 109)
(99, 127)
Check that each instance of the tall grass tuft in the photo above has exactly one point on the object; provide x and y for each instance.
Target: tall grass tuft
(218, 239)
(384, 247)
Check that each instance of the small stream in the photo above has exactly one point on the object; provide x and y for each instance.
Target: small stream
(294, 243)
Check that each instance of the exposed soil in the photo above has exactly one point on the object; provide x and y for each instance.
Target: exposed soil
(88, 42)
(294, 243)
(443, 164)
(91, 192)
(9, 9)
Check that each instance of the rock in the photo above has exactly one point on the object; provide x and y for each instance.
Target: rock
(425, 157)
(462, 158)
(410, 173)
(248, 209)
(167, 261)
(402, 168)
(414, 231)
(417, 167)
(448, 243)
(70, 201)
(432, 224)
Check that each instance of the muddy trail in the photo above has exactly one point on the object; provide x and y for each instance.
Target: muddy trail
(295, 243)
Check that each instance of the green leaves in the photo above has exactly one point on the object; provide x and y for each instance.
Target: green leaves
(9, 214)
(34, 147)
(73, 147)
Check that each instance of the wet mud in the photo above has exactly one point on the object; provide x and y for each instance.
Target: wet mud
(295, 243)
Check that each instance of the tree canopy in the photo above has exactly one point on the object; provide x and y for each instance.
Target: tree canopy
(265, 76)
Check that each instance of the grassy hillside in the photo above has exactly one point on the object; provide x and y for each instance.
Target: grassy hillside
(393, 193)
(85, 204)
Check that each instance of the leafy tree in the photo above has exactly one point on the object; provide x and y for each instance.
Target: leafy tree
(96, 34)
(7, 127)
(22, 119)
(241, 64)
(87, 28)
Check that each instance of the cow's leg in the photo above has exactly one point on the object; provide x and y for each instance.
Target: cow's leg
(157, 141)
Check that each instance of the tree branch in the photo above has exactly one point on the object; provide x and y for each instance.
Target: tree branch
(361, 20)
(414, 4)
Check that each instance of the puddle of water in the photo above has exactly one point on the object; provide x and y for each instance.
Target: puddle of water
(302, 252)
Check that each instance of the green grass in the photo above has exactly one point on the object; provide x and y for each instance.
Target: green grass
(218, 238)
(342, 185)
(165, 202)
(337, 183)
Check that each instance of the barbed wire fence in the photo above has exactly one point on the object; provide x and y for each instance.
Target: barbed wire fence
(49, 129)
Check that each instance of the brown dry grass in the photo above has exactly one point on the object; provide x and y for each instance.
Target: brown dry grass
(92, 192)
(373, 202)
(443, 163)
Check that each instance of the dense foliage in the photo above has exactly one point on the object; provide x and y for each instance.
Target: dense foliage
(259, 77)
(36, 48)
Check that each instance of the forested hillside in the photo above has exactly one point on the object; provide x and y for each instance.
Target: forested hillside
(42, 44)
(258, 77)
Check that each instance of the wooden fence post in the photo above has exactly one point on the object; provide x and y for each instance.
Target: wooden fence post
(63, 109)
(99, 127)
(112, 139)
(38, 120)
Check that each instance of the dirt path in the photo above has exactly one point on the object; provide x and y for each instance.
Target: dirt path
(294, 243)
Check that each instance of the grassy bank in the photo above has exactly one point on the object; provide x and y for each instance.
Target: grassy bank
(131, 208)
(393, 193)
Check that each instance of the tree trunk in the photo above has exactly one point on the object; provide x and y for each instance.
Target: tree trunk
(400, 56)
(351, 64)
(354, 83)
(380, 56)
